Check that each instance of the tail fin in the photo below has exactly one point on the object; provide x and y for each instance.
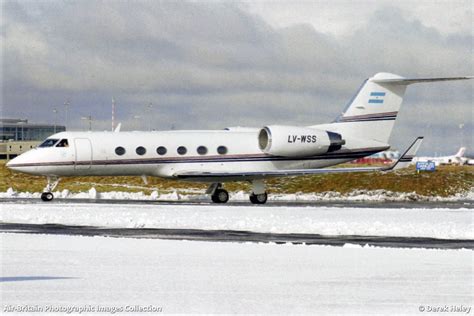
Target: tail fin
(372, 112)
(461, 152)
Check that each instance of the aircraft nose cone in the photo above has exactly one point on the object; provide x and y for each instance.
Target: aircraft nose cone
(24, 163)
(11, 164)
(15, 164)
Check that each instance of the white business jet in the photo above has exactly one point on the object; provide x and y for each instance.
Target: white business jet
(456, 159)
(232, 154)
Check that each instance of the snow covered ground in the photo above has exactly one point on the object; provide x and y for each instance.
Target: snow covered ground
(435, 223)
(50, 271)
(356, 195)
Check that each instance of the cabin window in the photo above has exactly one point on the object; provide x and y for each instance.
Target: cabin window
(222, 150)
(182, 150)
(202, 150)
(48, 143)
(120, 151)
(63, 143)
(140, 150)
(161, 150)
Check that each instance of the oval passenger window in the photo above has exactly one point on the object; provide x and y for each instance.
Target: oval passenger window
(120, 151)
(222, 150)
(140, 150)
(161, 150)
(202, 150)
(182, 150)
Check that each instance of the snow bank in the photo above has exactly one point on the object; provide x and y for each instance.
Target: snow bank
(230, 278)
(356, 195)
(435, 223)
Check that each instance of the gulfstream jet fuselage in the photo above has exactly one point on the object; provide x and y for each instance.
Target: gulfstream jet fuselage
(232, 154)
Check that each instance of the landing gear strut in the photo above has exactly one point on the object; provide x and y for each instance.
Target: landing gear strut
(218, 194)
(258, 195)
(47, 195)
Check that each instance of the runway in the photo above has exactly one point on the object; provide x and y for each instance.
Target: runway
(468, 204)
(238, 236)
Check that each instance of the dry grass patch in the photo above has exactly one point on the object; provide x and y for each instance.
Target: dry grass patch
(446, 181)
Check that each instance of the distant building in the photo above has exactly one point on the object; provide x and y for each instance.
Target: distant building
(18, 136)
(21, 130)
(9, 150)
(384, 157)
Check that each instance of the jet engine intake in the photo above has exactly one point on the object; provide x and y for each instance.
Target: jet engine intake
(293, 141)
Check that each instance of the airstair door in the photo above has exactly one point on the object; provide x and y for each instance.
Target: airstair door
(83, 149)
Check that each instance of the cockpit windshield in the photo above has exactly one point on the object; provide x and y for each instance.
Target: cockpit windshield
(50, 142)
(63, 143)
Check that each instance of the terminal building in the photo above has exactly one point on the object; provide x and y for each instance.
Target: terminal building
(18, 136)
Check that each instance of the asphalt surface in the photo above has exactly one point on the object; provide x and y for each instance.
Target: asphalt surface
(469, 204)
(237, 236)
(245, 236)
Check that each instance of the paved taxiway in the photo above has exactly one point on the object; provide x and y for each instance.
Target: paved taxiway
(243, 235)
(469, 204)
(237, 236)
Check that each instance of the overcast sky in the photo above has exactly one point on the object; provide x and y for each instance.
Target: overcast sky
(224, 63)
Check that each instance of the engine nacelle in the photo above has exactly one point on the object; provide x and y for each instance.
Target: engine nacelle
(293, 141)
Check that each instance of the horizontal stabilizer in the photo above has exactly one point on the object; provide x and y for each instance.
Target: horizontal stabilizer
(407, 81)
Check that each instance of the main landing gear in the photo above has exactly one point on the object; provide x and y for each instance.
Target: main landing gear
(47, 195)
(258, 198)
(258, 195)
(219, 195)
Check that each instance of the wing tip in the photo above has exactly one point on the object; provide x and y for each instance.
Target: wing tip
(408, 155)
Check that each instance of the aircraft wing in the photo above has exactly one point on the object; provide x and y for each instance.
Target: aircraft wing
(402, 162)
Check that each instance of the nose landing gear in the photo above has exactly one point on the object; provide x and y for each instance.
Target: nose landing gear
(47, 195)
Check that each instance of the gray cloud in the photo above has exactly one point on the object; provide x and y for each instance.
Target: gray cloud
(211, 65)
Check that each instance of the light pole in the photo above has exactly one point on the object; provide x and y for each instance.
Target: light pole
(150, 106)
(113, 114)
(88, 118)
(66, 105)
(55, 111)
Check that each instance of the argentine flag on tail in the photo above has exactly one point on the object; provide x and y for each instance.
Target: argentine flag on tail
(376, 97)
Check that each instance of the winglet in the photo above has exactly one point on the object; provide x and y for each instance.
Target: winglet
(407, 156)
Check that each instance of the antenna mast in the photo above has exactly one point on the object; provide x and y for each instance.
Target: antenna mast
(113, 114)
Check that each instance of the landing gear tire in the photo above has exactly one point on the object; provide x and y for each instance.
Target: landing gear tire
(47, 196)
(220, 196)
(258, 198)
